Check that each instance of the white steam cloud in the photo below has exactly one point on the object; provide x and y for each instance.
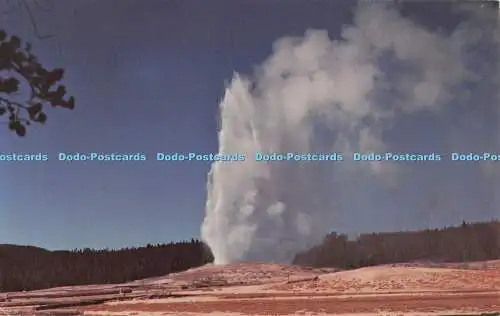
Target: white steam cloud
(319, 94)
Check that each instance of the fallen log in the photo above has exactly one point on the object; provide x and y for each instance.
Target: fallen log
(73, 304)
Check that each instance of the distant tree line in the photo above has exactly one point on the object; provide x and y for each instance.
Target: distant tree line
(31, 268)
(468, 242)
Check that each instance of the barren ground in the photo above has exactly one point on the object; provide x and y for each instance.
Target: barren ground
(265, 289)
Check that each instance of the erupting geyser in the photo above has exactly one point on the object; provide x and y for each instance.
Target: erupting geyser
(315, 94)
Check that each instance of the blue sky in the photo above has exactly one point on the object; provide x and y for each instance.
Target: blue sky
(148, 77)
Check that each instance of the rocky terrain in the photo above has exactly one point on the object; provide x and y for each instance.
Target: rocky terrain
(269, 289)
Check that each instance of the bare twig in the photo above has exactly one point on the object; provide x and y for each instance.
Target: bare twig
(33, 22)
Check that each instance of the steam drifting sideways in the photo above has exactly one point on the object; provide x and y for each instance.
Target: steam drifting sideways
(318, 94)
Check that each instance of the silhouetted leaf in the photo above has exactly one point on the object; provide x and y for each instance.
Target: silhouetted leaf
(41, 71)
(20, 130)
(18, 58)
(9, 85)
(54, 76)
(3, 111)
(6, 51)
(71, 103)
(32, 59)
(34, 110)
(15, 42)
(61, 91)
(41, 118)
(4, 62)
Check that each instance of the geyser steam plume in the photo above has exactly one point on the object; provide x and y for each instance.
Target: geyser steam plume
(317, 94)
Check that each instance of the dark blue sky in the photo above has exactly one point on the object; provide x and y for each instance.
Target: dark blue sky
(147, 77)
